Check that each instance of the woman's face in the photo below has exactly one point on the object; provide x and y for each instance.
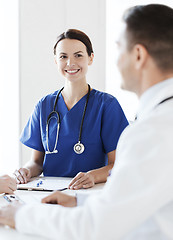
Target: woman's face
(72, 59)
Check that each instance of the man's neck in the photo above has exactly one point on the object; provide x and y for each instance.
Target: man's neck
(152, 79)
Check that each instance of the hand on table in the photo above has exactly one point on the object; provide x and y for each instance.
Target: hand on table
(7, 214)
(82, 180)
(61, 199)
(23, 175)
(7, 184)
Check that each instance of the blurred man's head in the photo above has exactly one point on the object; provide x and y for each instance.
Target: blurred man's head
(146, 40)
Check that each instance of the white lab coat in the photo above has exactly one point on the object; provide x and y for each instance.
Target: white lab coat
(137, 200)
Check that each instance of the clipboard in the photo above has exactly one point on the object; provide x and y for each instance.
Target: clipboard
(46, 184)
(40, 189)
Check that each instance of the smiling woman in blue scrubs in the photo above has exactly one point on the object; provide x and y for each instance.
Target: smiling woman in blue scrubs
(79, 138)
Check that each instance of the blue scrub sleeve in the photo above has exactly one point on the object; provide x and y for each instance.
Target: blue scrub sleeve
(113, 123)
(31, 135)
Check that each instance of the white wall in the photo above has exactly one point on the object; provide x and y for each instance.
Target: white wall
(41, 21)
(9, 86)
(128, 100)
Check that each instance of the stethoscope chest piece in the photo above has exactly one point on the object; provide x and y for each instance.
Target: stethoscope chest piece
(79, 148)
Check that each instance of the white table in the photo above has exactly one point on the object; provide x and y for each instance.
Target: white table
(7, 233)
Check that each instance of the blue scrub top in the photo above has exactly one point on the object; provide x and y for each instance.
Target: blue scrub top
(103, 124)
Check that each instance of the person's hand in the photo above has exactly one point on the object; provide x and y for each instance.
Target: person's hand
(7, 214)
(82, 180)
(23, 175)
(61, 199)
(7, 184)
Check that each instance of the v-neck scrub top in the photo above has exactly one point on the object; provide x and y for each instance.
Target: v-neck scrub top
(103, 124)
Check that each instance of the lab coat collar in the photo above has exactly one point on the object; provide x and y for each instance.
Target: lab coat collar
(153, 96)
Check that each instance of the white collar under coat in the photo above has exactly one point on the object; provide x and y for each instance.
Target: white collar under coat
(153, 96)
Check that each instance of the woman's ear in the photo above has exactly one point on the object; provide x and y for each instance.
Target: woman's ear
(91, 59)
(141, 55)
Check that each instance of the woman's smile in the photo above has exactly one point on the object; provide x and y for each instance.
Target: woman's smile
(72, 71)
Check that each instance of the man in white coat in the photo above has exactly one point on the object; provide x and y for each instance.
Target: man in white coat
(137, 200)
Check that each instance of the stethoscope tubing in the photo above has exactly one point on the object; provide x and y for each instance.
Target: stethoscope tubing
(83, 116)
(78, 147)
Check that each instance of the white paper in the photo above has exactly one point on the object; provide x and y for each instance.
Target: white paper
(47, 183)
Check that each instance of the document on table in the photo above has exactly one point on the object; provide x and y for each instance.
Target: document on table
(46, 184)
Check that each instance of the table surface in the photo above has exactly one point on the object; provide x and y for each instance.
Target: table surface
(7, 233)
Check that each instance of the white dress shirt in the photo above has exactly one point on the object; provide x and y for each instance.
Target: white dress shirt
(137, 200)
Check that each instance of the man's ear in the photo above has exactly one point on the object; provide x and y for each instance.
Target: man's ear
(91, 59)
(141, 55)
(55, 59)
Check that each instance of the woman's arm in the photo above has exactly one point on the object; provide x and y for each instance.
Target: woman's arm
(88, 179)
(32, 169)
(100, 175)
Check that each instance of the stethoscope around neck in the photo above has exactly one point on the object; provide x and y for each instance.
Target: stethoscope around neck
(164, 100)
(78, 147)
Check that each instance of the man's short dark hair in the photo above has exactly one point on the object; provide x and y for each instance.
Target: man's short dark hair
(152, 26)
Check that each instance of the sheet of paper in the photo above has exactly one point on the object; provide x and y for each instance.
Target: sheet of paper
(46, 184)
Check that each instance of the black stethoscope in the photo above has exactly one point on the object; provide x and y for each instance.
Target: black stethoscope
(164, 100)
(78, 147)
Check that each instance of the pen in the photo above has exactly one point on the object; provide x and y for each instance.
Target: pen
(11, 198)
(7, 198)
(39, 183)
